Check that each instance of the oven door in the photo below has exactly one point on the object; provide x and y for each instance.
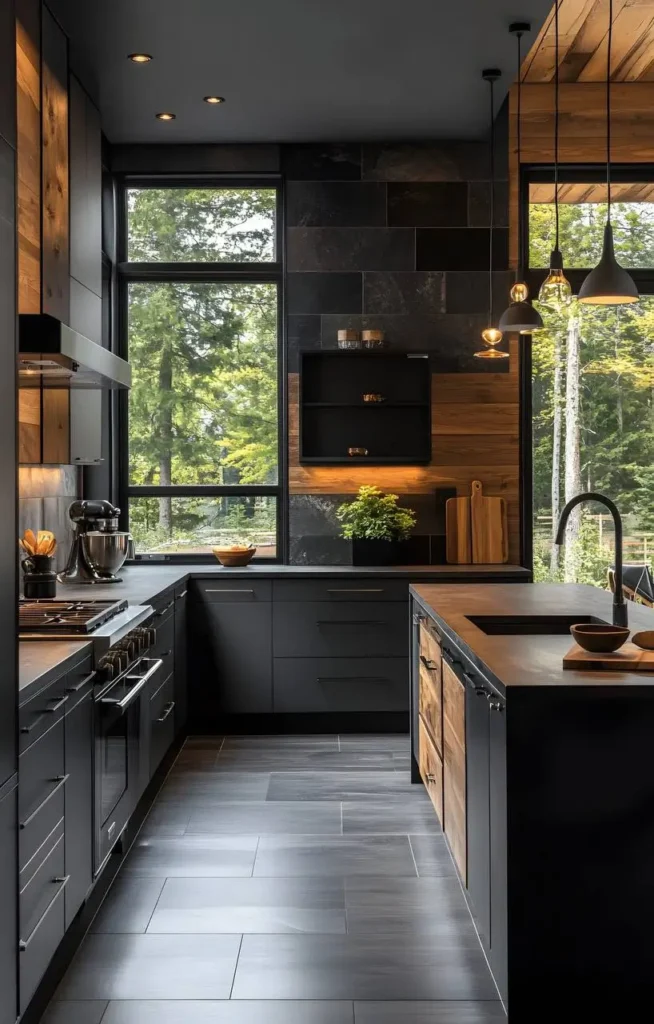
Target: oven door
(117, 744)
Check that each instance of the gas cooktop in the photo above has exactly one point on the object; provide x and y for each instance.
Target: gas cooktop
(56, 619)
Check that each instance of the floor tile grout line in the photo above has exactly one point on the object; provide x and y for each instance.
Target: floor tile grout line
(238, 957)
(156, 904)
(415, 863)
(254, 859)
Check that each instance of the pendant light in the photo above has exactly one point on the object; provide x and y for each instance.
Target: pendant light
(608, 284)
(520, 316)
(555, 290)
(491, 336)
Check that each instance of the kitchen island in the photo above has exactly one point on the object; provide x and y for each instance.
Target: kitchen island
(543, 783)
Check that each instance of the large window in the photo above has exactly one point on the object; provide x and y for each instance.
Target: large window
(593, 382)
(201, 291)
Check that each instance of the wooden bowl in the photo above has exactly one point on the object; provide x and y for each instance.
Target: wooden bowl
(233, 558)
(644, 639)
(599, 637)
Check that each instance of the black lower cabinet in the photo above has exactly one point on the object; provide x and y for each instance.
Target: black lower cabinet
(478, 806)
(78, 746)
(181, 682)
(498, 845)
(8, 904)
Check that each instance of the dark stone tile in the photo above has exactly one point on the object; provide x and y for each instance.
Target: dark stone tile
(460, 248)
(398, 742)
(437, 161)
(209, 787)
(350, 249)
(347, 204)
(412, 814)
(264, 818)
(358, 967)
(128, 906)
(324, 293)
(479, 204)
(307, 760)
(315, 532)
(167, 819)
(333, 856)
(466, 291)
(80, 1011)
(414, 907)
(192, 856)
(383, 788)
(431, 855)
(251, 905)
(322, 162)
(292, 744)
(403, 292)
(302, 334)
(441, 1012)
(152, 967)
(243, 1011)
(428, 204)
(224, 158)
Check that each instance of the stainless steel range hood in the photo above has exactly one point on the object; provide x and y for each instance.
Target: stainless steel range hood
(51, 353)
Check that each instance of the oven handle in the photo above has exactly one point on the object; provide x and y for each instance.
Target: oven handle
(132, 694)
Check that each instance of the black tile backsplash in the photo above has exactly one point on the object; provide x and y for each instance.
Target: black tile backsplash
(428, 204)
(327, 161)
(335, 204)
(437, 161)
(393, 291)
(302, 333)
(324, 293)
(460, 248)
(346, 249)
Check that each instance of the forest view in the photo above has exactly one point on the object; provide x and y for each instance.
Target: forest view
(204, 399)
(593, 399)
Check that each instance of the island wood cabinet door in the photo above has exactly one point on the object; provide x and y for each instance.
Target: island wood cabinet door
(478, 809)
(430, 684)
(454, 766)
(8, 903)
(431, 769)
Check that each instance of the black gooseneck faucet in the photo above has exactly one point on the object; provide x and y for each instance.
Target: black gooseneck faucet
(619, 603)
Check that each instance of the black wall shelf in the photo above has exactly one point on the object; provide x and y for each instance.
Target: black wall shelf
(334, 417)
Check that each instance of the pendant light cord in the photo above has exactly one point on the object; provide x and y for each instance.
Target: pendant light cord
(556, 123)
(608, 114)
(519, 273)
(492, 201)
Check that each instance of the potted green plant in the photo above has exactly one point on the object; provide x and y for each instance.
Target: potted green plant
(375, 523)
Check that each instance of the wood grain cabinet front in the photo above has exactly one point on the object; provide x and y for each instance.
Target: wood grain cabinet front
(454, 767)
(430, 685)
(431, 769)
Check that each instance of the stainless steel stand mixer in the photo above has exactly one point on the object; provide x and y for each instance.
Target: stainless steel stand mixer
(99, 548)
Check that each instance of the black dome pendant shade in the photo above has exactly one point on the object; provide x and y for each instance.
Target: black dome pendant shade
(520, 317)
(608, 284)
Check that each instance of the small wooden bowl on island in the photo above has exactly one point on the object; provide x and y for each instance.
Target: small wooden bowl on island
(599, 637)
(644, 639)
(235, 556)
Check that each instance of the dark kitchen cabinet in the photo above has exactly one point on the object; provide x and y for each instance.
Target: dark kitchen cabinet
(85, 192)
(55, 241)
(180, 670)
(8, 903)
(78, 747)
(478, 805)
(8, 72)
(498, 844)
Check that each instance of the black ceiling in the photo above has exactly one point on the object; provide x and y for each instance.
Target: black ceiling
(295, 70)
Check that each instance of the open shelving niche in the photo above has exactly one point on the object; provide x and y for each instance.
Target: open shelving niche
(396, 432)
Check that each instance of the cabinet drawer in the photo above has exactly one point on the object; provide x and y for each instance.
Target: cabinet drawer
(431, 768)
(41, 783)
(37, 882)
(38, 948)
(340, 684)
(341, 590)
(36, 717)
(162, 723)
(163, 606)
(164, 646)
(342, 630)
(222, 589)
(454, 767)
(78, 683)
(430, 705)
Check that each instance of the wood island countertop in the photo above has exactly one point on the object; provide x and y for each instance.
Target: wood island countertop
(526, 661)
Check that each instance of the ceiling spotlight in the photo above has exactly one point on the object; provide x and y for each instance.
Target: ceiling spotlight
(140, 58)
(213, 99)
(166, 116)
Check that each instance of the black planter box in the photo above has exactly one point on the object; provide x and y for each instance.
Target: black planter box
(375, 552)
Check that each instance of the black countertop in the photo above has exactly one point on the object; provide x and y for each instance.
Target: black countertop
(527, 661)
(40, 662)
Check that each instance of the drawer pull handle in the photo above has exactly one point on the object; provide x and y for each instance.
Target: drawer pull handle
(417, 619)
(431, 777)
(431, 666)
(60, 780)
(351, 622)
(229, 590)
(62, 883)
(78, 686)
(180, 596)
(352, 679)
(494, 705)
(165, 654)
(355, 590)
(163, 611)
(168, 708)
(57, 702)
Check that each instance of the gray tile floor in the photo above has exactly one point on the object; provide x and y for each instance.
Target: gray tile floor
(284, 880)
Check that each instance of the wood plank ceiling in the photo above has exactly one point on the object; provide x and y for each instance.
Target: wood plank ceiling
(583, 35)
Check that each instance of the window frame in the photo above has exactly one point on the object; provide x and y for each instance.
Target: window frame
(269, 272)
(568, 174)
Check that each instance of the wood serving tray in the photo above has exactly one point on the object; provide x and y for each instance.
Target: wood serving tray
(628, 659)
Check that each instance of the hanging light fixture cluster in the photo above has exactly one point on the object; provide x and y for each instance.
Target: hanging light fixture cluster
(491, 335)
(608, 284)
(520, 317)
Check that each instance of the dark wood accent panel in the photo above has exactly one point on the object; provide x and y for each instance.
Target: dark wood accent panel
(56, 426)
(54, 171)
(431, 768)
(29, 424)
(28, 145)
(454, 767)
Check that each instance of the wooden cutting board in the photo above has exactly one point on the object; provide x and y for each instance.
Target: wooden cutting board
(489, 529)
(628, 659)
(458, 549)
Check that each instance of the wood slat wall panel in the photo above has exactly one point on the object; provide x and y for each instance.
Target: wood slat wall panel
(28, 99)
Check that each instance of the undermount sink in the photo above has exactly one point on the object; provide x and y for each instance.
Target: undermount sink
(530, 625)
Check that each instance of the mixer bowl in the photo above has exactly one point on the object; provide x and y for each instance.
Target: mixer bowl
(105, 552)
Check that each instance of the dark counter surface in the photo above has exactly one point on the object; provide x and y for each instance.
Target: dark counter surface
(41, 662)
(527, 660)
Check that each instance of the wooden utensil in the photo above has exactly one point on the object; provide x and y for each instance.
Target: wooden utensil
(488, 524)
(458, 547)
(628, 659)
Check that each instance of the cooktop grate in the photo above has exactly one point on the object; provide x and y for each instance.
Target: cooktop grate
(53, 617)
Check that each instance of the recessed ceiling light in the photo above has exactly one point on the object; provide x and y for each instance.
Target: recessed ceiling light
(214, 99)
(140, 58)
(166, 116)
